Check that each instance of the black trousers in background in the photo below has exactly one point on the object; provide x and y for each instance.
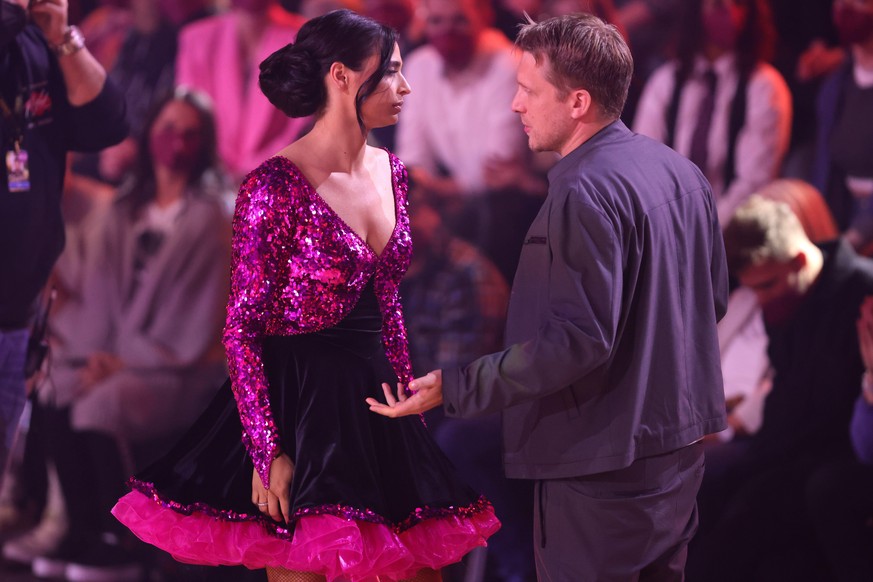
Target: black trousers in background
(90, 471)
(633, 524)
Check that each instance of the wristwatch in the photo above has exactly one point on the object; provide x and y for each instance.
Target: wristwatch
(74, 41)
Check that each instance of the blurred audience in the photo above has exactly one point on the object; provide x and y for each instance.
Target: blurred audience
(144, 70)
(719, 103)
(838, 495)
(458, 134)
(843, 167)
(807, 50)
(455, 301)
(139, 356)
(752, 520)
(219, 55)
(105, 28)
(459, 118)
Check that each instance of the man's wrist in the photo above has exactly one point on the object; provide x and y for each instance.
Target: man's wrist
(72, 42)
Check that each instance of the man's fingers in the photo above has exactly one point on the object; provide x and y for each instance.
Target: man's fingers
(382, 409)
(401, 392)
(389, 397)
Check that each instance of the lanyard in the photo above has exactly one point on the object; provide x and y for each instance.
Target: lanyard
(14, 119)
(15, 116)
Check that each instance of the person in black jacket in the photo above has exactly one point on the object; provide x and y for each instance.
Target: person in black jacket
(54, 98)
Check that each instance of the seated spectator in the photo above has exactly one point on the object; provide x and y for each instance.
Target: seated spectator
(219, 55)
(458, 130)
(741, 334)
(843, 167)
(141, 356)
(719, 103)
(752, 525)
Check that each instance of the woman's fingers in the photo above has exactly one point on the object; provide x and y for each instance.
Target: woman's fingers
(273, 506)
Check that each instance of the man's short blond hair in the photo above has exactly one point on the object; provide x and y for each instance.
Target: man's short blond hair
(762, 231)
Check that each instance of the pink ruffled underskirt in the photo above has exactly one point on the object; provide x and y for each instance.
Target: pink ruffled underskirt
(335, 547)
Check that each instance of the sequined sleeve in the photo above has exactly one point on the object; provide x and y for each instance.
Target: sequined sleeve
(395, 340)
(260, 211)
(387, 283)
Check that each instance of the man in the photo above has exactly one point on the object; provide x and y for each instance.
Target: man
(611, 374)
(55, 98)
(457, 134)
(753, 521)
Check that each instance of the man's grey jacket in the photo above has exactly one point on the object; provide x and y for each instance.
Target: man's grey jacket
(612, 353)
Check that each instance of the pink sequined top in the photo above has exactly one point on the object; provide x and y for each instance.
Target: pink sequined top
(298, 268)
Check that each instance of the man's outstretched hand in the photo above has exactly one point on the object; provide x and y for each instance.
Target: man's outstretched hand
(427, 393)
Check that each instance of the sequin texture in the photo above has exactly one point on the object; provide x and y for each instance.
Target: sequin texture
(298, 268)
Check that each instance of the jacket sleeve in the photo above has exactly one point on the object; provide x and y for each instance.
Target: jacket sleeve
(576, 337)
(257, 220)
(98, 124)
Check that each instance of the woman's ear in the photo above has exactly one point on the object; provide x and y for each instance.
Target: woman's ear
(338, 75)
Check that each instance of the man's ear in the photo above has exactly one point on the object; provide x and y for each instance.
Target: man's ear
(799, 261)
(581, 103)
(339, 76)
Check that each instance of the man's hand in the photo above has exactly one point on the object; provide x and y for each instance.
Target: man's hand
(427, 393)
(51, 17)
(100, 365)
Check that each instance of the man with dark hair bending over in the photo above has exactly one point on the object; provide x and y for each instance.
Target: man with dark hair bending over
(611, 373)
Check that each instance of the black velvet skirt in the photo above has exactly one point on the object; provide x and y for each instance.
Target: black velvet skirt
(369, 496)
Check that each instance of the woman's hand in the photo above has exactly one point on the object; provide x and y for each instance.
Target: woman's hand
(275, 501)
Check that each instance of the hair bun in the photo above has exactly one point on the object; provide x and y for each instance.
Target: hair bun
(291, 78)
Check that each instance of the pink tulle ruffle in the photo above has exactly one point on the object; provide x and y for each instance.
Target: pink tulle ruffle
(326, 544)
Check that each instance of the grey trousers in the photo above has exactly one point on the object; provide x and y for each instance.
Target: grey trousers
(629, 525)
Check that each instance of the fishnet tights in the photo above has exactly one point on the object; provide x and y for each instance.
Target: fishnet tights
(283, 575)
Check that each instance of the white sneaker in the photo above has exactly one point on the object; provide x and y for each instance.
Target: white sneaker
(45, 538)
(40, 541)
(103, 573)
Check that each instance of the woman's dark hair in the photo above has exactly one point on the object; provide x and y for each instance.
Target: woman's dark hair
(142, 186)
(755, 43)
(292, 78)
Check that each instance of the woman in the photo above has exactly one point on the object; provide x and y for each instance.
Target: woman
(719, 103)
(136, 354)
(319, 487)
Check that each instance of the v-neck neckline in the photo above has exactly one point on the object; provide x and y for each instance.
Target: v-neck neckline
(339, 218)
